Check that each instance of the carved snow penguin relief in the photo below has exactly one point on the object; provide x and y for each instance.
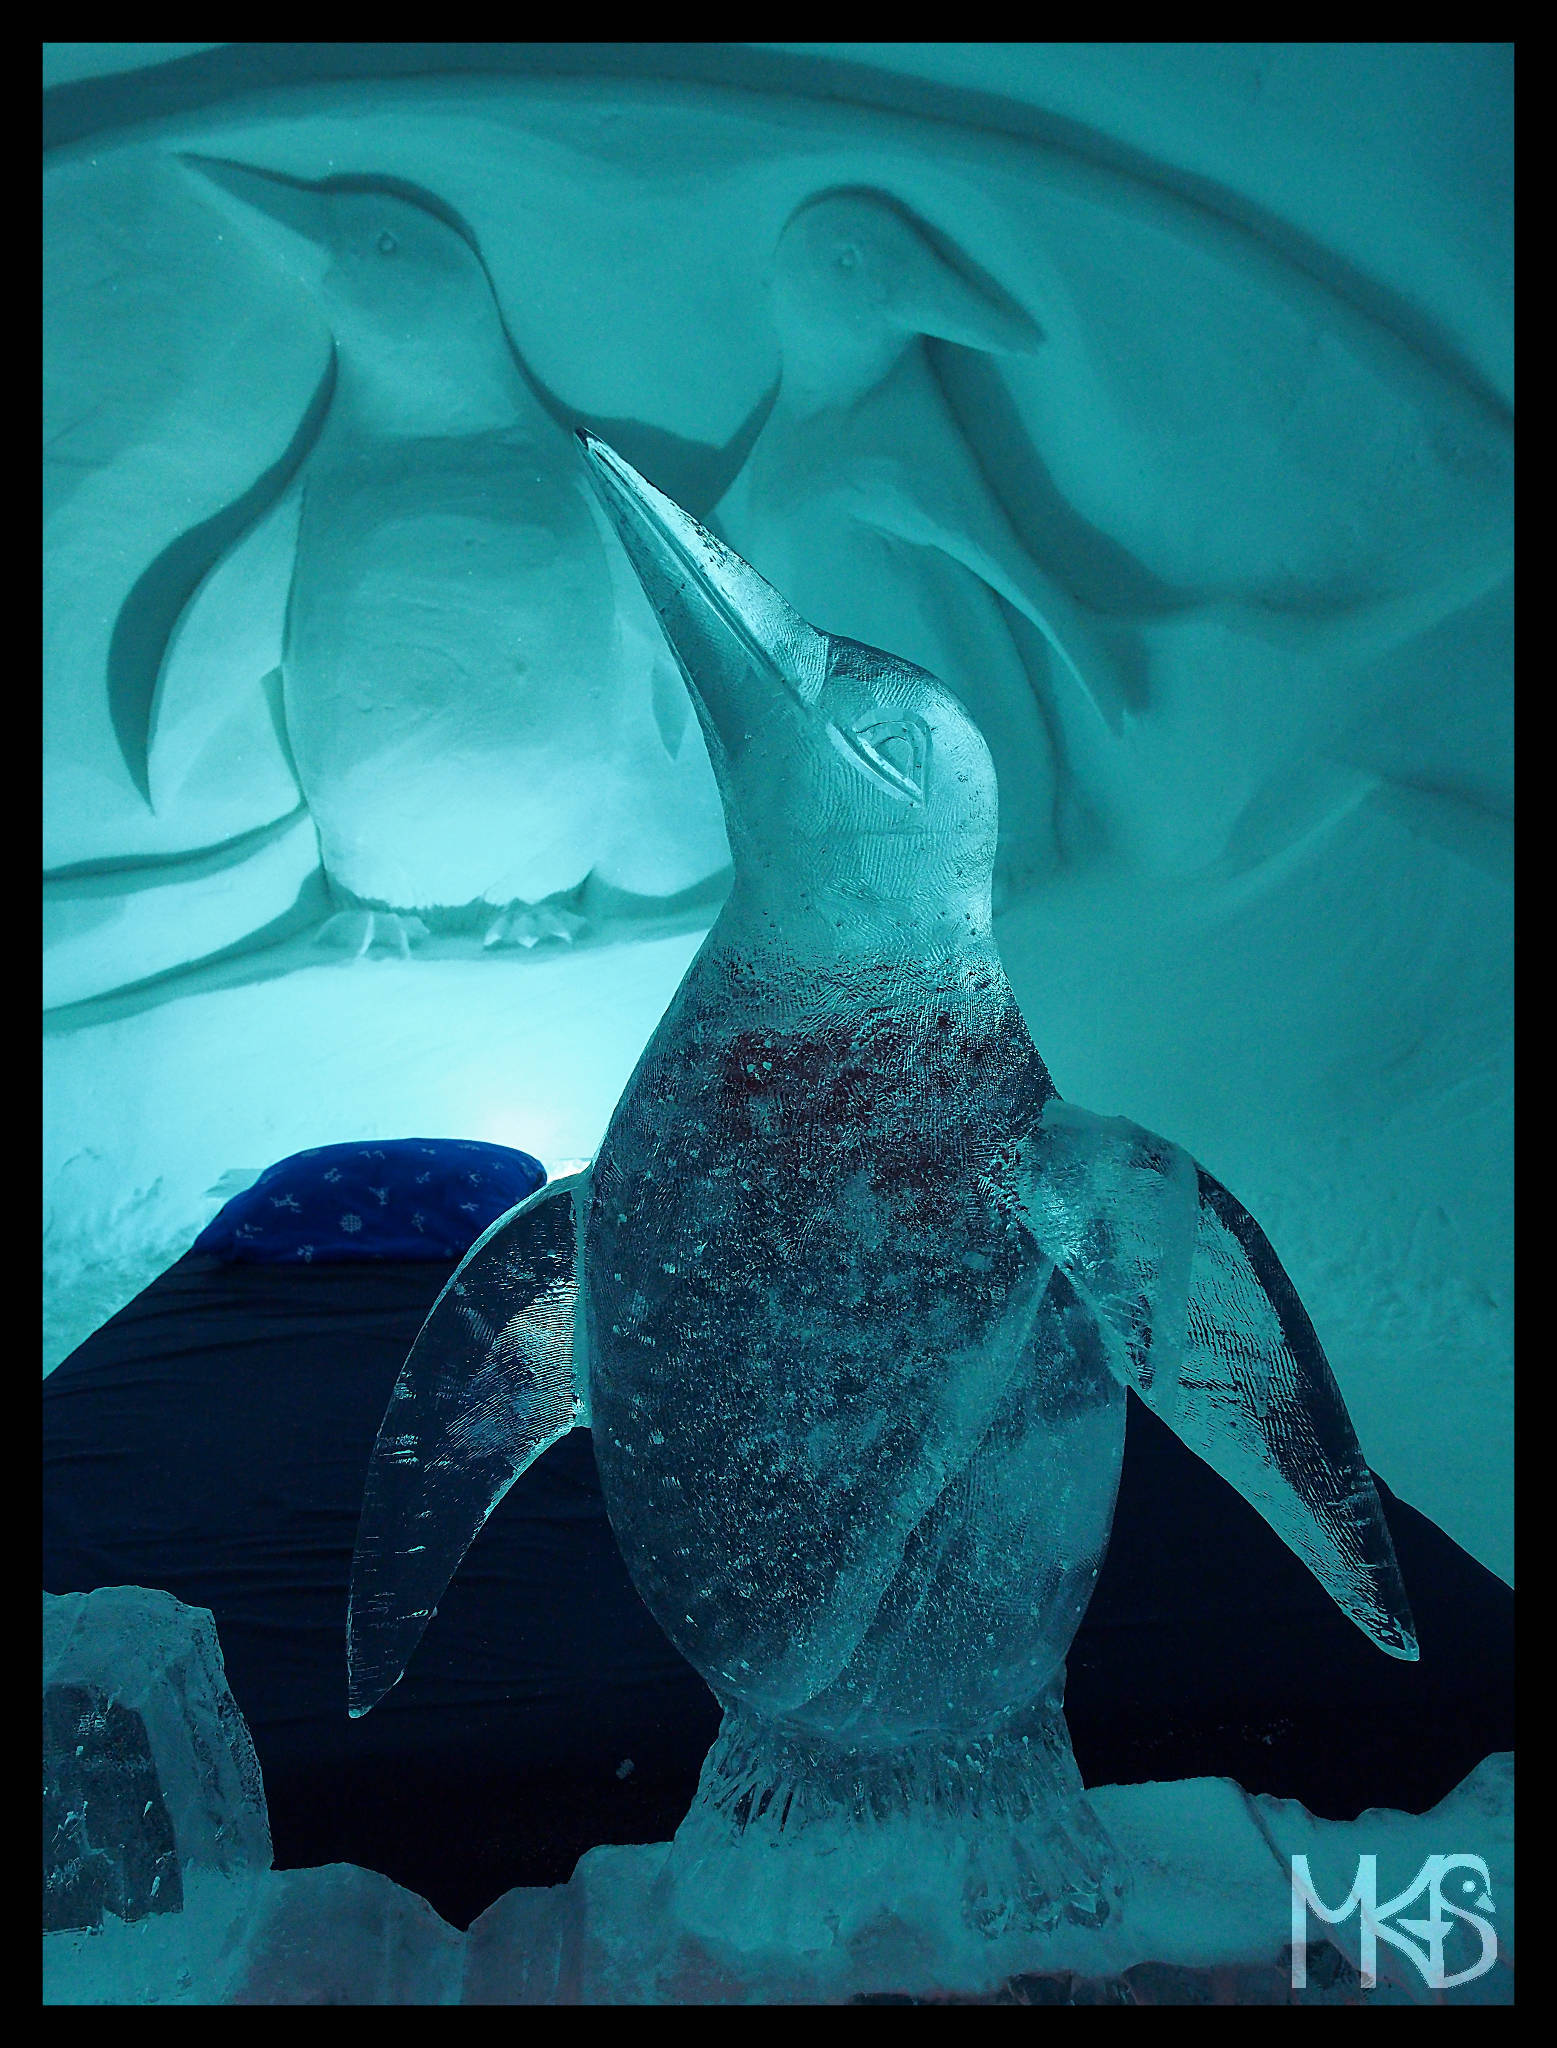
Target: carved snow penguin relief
(862, 501)
(1197, 731)
(851, 1299)
(455, 670)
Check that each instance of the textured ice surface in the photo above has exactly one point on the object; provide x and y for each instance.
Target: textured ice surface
(157, 1885)
(139, 1677)
(858, 1295)
(155, 1830)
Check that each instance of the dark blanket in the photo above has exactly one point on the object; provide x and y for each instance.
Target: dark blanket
(212, 1439)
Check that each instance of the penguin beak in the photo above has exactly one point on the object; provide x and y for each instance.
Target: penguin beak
(932, 299)
(289, 220)
(741, 648)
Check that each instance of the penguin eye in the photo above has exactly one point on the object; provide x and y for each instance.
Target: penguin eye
(896, 751)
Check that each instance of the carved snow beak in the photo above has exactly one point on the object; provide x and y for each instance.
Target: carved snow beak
(738, 644)
(930, 298)
(286, 218)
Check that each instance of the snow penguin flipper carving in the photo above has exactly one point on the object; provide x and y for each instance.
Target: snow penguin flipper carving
(495, 1377)
(1205, 1326)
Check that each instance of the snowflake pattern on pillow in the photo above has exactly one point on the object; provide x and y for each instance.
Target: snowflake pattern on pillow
(391, 1198)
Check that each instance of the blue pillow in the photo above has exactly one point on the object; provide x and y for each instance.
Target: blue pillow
(388, 1198)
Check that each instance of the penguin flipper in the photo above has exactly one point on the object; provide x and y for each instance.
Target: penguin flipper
(493, 1380)
(1206, 1328)
(1010, 572)
(218, 695)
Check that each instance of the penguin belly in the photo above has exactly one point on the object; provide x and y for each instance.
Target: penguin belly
(451, 671)
(975, 1626)
(855, 1437)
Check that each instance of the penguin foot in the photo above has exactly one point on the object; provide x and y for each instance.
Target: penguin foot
(1040, 1856)
(797, 1842)
(527, 924)
(361, 932)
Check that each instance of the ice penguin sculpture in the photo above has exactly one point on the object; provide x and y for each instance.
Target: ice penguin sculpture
(851, 1300)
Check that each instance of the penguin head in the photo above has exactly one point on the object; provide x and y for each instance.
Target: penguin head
(855, 277)
(378, 255)
(846, 773)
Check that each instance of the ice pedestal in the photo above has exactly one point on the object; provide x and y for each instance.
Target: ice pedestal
(1207, 1920)
(342, 1935)
(158, 1890)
